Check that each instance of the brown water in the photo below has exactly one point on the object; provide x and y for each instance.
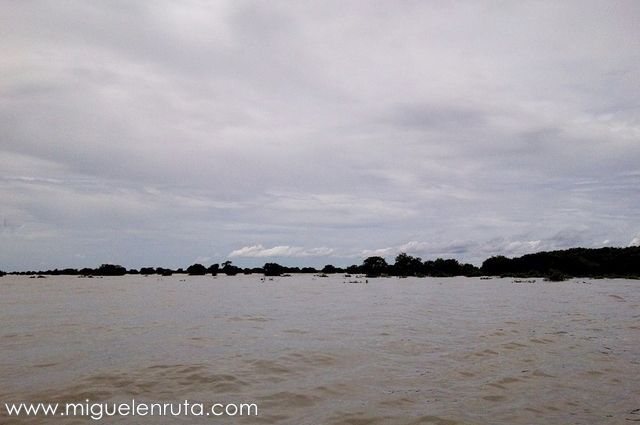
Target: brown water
(312, 350)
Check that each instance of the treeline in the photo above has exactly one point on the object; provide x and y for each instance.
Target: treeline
(555, 265)
(574, 262)
(405, 265)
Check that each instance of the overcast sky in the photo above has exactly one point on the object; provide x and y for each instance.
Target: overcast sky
(164, 133)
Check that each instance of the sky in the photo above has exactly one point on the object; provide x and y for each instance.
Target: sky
(308, 133)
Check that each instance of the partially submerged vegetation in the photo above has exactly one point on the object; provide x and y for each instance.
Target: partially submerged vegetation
(552, 265)
(574, 262)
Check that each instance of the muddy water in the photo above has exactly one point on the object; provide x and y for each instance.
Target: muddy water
(312, 350)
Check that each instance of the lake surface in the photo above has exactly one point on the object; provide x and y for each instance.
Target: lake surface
(311, 350)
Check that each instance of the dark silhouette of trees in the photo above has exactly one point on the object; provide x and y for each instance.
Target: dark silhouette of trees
(229, 269)
(273, 269)
(164, 272)
(196, 270)
(330, 269)
(2, 273)
(576, 262)
(57, 272)
(375, 266)
(213, 269)
(406, 265)
(353, 269)
(110, 270)
(554, 265)
(253, 270)
(497, 265)
(469, 270)
(448, 268)
(556, 276)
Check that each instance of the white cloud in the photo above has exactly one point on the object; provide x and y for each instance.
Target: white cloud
(635, 241)
(259, 251)
(413, 247)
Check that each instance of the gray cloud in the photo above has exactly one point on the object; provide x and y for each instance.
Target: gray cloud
(159, 133)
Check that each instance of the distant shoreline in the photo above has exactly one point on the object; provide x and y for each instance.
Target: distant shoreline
(553, 265)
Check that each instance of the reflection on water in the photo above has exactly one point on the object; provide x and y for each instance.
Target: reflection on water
(322, 350)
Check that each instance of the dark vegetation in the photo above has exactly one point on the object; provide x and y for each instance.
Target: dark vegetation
(229, 269)
(196, 270)
(553, 265)
(575, 262)
(273, 269)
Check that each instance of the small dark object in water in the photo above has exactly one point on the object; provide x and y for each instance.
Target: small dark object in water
(556, 276)
(523, 281)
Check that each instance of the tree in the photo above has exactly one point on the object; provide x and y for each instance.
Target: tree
(273, 269)
(353, 269)
(164, 272)
(406, 265)
(496, 265)
(577, 262)
(375, 266)
(469, 270)
(329, 269)
(229, 269)
(213, 269)
(111, 270)
(446, 268)
(196, 270)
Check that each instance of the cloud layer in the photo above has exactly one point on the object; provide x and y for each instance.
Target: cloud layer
(160, 133)
(258, 251)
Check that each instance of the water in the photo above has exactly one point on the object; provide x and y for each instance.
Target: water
(311, 350)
